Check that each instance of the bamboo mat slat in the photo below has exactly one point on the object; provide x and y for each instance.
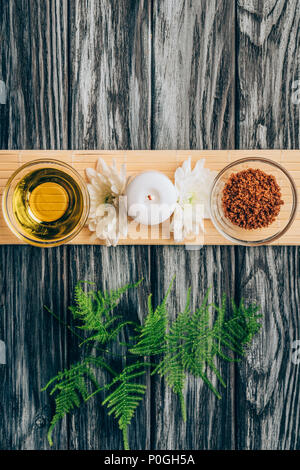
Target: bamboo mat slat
(137, 161)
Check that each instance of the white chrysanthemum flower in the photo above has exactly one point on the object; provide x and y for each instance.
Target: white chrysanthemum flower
(106, 187)
(193, 187)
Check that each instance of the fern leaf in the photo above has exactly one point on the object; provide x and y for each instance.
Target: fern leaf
(125, 398)
(171, 366)
(204, 342)
(70, 388)
(151, 340)
(189, 344)
(193, 344)
(238, 331)
(93, 310)
(190, 349)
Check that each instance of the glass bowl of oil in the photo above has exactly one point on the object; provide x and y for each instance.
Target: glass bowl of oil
(46, 203)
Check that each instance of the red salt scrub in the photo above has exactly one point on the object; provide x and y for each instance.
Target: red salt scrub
(251, 199)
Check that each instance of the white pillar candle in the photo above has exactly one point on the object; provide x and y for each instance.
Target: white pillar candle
(151, 198)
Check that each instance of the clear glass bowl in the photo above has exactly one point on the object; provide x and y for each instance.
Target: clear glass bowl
(73, 228)
(259, 236)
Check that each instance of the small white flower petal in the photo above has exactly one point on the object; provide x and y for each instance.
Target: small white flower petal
(193, 187)
(106, 184)
(91, 173)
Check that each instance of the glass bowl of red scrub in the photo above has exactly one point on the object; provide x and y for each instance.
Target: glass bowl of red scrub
(253, 201)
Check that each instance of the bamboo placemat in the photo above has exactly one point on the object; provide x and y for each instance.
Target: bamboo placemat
(138, 161)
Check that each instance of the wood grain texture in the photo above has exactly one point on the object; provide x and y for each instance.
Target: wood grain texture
(34, 67)
(110, 109)
(150, 74)
(91, 427)
(267, 383)
(193, 74)
(192, 54)
(268, 65)
(110, 81)
(267, 396)
(35, 343)
(210, 422)
(3, 105)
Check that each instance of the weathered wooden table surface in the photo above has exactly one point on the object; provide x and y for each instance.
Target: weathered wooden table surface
(154, 74)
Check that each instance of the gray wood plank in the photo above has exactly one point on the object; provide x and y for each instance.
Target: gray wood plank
(193, 74)
(267, 383)
(210, 422)
(188, 104)
(193, 107)
(110, 59)
(34, 67)
(110, 109)
(268, 65)
(267, 398)
(91, 427)
(35, 343)
(3, 101)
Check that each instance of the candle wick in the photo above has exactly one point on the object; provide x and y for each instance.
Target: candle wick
(150, 197)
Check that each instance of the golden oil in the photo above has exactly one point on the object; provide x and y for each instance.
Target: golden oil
(47, 204)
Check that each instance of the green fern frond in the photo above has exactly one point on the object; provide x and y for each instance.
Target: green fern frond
(70, 388)
(151, 339)
(194, 342)
(93, 310)
(171, 367)
(204, 342)
(127, 395)
(190, 344)
(199, 348)
(238, 331)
